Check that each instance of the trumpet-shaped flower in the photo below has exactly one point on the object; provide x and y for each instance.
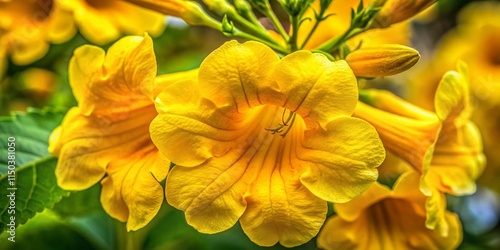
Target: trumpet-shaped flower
(28, 27)
(458, 158)
(433, 142)
(103, 21)
(475, 40)
(389, 219)
(107, 135)
(264, 141)
(407, 131)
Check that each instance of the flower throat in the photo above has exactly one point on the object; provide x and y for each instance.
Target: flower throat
(286, 124)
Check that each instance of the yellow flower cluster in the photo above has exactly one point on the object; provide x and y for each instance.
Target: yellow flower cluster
(28, 27)
(266, 133)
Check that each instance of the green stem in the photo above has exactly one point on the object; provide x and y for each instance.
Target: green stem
(277, 24)
(329, 56)
(333, 44)
(253, 19)
(262, 33)
(319, 18)
(292, 42)
(310, 33)
(276, 47)
(128, 240)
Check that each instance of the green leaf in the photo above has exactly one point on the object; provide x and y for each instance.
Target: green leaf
(80, 203)
(27, 181)
(47, 231)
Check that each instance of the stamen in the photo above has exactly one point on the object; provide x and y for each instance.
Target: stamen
(285, 123)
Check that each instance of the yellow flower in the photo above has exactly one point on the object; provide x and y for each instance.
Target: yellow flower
(388, 219)
(38, 83)
(103, 21)
(28, 27)
(458, 158)
(234, 160)
(339, 22)
(476, 41)
(107, 135)
(445, 146)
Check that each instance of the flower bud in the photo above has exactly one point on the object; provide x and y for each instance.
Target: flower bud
(189, 11)
(227, 26)
(395, 11)
(382, 60)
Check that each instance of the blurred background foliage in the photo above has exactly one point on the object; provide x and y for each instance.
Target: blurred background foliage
(79, 222)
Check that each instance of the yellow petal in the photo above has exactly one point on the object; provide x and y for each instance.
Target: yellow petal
(458, 160)
(144, 20)
(316, 88)
(86, 145)
(341, 161)
(393, 219)
(96, 28)
(193, 125)
(452, 101)
(246, 71)
(119, 79)
(352, 210)
(70, 176)
(279, 208)
(61, 26)
(27, 46)
(211, 194)
(163, 81)
(408, 138)
(130, 192)
(435, 207)
(102, 23)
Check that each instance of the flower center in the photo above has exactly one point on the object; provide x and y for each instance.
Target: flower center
(286, 124)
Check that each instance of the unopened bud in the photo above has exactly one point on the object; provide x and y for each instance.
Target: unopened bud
(220, 7)
(382, 60)
(395, 11)
(242, 6)
(189, 11)
(227, 26)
